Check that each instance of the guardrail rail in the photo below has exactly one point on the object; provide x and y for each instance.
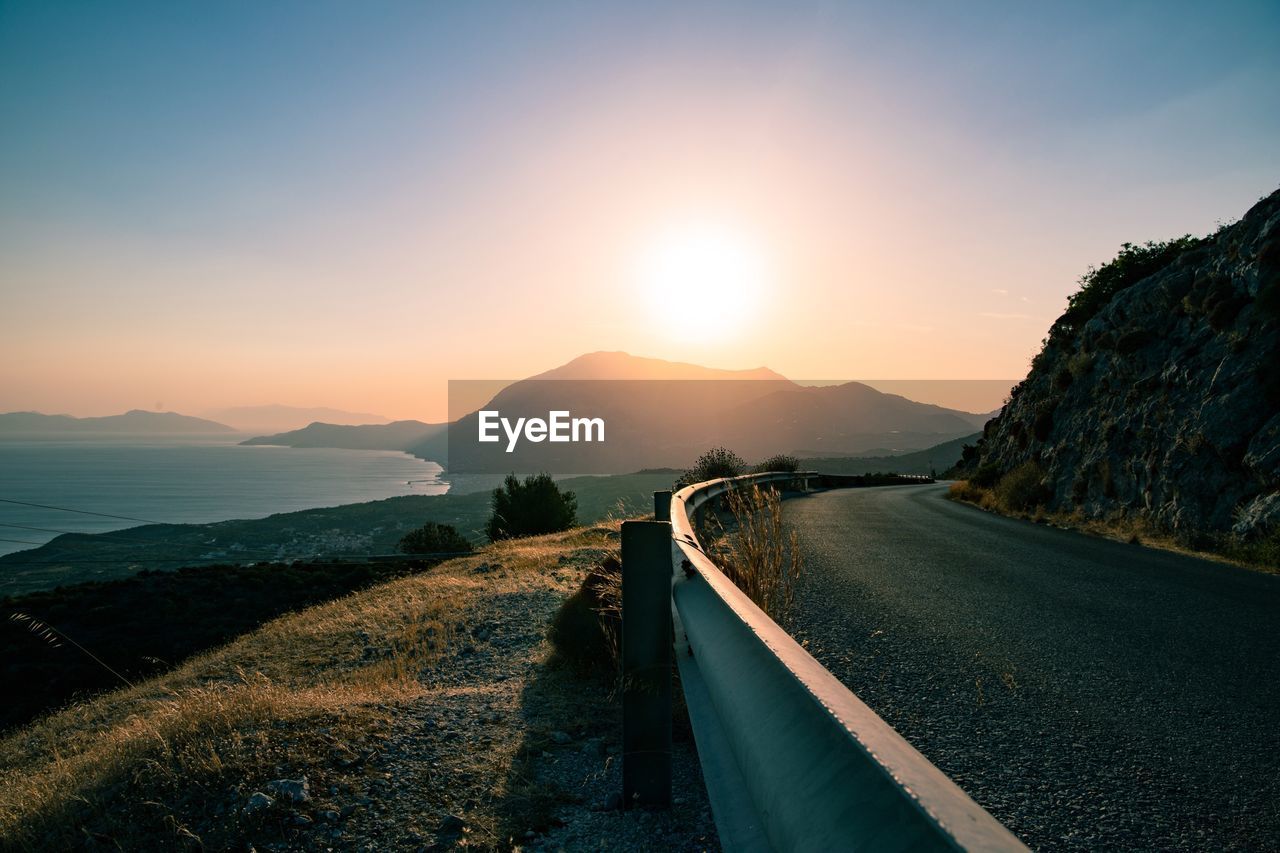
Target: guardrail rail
(792, 759)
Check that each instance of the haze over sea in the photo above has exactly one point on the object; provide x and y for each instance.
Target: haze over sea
(188, 481)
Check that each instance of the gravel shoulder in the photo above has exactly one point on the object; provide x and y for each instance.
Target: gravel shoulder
(1090, 694)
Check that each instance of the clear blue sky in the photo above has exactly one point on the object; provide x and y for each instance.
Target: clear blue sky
(348, 203)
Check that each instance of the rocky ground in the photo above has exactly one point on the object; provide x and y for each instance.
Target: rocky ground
(506, 748)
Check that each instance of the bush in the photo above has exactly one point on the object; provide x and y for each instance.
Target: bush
(715, 463)
(530, 508)
(779, 462)
(432, 538)
(1022, 489)
(966, 490)
(986, 476)
(1134, 263)
(1042, 426)
(587, 629)
(1133, 340)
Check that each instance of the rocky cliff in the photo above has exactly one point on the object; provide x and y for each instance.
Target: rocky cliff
(1157, 393)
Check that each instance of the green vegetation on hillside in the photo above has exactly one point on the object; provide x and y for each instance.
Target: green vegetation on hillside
(530, 508)
(433, 538)
(342, 532)
(1099, 285)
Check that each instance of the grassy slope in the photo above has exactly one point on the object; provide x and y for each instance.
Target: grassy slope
(172, 761)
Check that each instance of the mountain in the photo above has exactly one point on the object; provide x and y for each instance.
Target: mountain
(276, 418)
(396, 435)
(661, 413)
(1157, 395)
(840, 420)
(135, 422)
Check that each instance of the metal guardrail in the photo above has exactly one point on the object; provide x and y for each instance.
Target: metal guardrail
(791, 758)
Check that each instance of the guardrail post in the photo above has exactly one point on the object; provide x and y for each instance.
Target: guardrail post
(646, 663)
(662, 506)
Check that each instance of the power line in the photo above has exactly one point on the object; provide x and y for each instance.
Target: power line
(84, 511)
(21, 542)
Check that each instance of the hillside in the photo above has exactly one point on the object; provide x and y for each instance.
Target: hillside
(396, 435)
(1156, 398)
(134, 422)
(341, 532)
(416, 714)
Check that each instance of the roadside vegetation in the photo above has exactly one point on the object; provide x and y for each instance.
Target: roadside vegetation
(714, 464)
(1021, 493)
(530, 507)
(758, 552)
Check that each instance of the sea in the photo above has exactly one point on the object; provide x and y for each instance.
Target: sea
(185, 481)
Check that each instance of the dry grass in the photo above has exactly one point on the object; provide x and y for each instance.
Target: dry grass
(169, 763)
(757, 552)
(1118, 527)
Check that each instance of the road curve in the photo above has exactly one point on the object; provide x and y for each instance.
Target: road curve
(1090, 694)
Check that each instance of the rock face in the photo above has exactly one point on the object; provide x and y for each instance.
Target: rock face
(1165, 402)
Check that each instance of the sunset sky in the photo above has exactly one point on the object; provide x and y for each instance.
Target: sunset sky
(348, 204)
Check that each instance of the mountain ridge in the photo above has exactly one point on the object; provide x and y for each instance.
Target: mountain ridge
(132, 422)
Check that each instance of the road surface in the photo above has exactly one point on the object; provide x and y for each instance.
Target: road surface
(1090, 694)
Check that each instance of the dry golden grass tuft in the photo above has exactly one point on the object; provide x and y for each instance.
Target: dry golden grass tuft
(170, 762)
(757, 552)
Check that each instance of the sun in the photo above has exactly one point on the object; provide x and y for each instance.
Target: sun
(702, 278)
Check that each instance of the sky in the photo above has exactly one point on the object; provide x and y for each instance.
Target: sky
(348, 204)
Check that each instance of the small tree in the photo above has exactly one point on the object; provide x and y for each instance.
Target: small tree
(715, 463)
(530, 508)
(779, 462)
(433, 538)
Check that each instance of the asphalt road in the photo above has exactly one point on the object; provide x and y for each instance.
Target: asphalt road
(1090, 694)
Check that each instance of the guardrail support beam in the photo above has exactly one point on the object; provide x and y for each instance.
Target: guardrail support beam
(646, 664)
(662, 506)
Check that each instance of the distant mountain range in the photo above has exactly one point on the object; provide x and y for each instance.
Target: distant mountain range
(396, 435)
(277, 418)
(659, 413)
(663, 413)
(135, 422)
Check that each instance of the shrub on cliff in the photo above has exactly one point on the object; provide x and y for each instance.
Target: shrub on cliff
(1100, 284)
(1022, 489)
(530, 508)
